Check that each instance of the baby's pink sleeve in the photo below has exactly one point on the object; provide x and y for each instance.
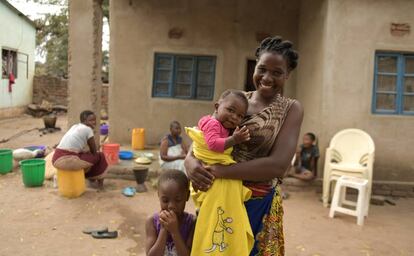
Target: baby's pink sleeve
(213, 135)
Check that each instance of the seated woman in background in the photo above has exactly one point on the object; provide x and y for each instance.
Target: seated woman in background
(173, 149)
(71, 152)
(306, 159)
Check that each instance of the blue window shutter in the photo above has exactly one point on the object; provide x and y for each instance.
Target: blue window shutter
(184, 76)
(399, 93)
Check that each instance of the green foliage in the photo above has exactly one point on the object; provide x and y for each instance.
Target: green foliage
(105, 9)
(52, 41)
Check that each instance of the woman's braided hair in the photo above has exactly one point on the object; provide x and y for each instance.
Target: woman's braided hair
(283, 47)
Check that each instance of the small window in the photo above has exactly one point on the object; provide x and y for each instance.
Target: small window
(393, 84)
(9, 63)
(184, 76)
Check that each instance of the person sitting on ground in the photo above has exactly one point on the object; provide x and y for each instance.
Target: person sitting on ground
(70, 153)
(173, 149)
(306, 159)
(170, 231)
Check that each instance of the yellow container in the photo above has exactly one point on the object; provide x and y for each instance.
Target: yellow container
(138, 138)
(71, 183)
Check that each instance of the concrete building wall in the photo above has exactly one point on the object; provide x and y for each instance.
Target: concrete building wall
(17, 34)
(351, 33)
(310, 71)
(225, 29)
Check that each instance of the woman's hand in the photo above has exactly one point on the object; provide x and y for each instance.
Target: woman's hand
(216, 170)
(201, 178)
(169, 221)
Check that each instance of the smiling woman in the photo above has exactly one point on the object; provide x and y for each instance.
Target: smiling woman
(274, 123)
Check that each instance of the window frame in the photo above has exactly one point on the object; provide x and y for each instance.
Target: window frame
(400, 78)
(172, 82)
(15, 53)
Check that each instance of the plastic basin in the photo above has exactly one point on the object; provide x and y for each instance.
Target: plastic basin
(126, 155)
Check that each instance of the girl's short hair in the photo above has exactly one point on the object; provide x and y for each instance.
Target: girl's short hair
(236, 93)
(84, 115)
(175, 175)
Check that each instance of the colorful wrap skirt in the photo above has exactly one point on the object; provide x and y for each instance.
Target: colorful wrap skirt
(266, 220)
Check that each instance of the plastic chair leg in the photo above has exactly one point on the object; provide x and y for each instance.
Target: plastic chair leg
(361, 207)
(325, 193)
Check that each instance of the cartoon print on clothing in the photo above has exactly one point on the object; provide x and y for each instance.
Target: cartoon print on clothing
(219, 231)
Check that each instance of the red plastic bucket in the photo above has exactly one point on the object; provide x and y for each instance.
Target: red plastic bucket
(111, 151)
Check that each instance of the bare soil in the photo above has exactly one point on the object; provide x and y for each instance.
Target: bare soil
(37, 221)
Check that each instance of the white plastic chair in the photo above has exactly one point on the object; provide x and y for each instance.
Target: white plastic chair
(339, 198)
(350, 153)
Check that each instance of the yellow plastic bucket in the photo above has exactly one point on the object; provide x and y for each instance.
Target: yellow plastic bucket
(138, 138)
(71, 183)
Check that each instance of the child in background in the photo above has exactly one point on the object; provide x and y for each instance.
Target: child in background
(306, 158)
(222, 224)
(71, 153)
(170, 232)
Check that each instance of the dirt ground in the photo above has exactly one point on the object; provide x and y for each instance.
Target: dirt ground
(37, 221)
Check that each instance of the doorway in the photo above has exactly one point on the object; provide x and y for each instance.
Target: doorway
(249, 86)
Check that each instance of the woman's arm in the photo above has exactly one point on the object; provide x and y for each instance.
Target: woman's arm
(274, 165)
(164, 152)
(154, 245)
(92, 145)
(184, 147)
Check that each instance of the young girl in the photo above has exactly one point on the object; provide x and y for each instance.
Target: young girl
(70, 153)
(222, 224)
(306, 158)
(170, 232)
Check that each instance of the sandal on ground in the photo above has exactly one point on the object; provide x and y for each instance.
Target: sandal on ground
(108, 234)
(129, 191)
(90, 230)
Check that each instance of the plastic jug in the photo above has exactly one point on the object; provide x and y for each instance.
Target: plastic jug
(138, 138)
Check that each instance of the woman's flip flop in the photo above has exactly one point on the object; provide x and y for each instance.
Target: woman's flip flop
(108, 234)
(129, 191)
(90, 230)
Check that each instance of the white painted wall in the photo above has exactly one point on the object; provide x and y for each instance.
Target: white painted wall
(18, 34)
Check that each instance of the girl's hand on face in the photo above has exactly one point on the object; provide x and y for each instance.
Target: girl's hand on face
(169, 221)
(198, 174)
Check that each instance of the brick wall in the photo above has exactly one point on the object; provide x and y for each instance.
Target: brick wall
(52, 89)
(55, 90)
